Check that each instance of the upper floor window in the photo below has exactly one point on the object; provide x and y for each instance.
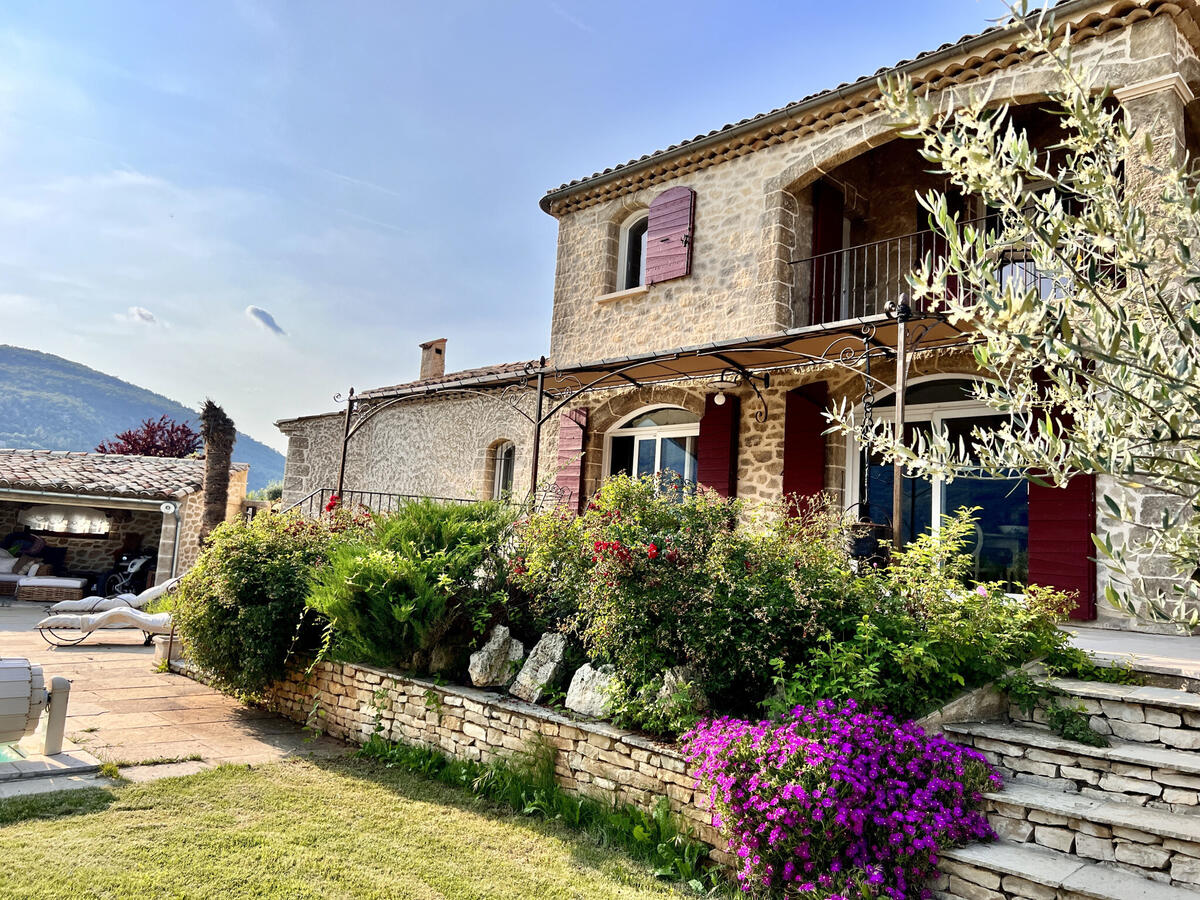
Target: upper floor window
(504, 456)
(631, 260)
(659, 442)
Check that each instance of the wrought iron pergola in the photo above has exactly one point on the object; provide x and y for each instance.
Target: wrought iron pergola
(853, 345)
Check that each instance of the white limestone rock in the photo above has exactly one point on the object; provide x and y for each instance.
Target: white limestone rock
(496, 663)
(590, 690)
(542, 670)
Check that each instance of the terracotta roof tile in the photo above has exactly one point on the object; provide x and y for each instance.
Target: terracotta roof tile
(102, 474)
(510, 368)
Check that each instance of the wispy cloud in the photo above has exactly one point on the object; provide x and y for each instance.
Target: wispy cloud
(568, 16)
(141, 316)
(264, 320)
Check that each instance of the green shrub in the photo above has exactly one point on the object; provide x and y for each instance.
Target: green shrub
(651, 579)
(429, 574)
(240, 609)
(922, 633)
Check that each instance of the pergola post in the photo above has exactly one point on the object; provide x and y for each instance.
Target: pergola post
(902, 314)
(341, 479)
(536, 451)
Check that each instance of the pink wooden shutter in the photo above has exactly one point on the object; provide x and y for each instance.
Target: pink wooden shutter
(1061, 524)
(669, 235)
(571, 430)
(804, 440)
(716, 448)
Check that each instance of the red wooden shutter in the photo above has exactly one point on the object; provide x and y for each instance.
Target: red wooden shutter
(716, 448)
(1061, 524)
(804, 440)
(829, 212)
(929, 242)
(571, 430)
(669, 235)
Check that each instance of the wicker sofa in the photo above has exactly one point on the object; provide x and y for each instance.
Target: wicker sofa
(50, 588)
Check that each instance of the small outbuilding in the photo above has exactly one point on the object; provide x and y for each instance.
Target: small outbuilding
(78, 513)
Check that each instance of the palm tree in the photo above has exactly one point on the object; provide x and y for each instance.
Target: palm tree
(219, 434)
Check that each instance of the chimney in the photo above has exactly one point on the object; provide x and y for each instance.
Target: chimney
(433, 359)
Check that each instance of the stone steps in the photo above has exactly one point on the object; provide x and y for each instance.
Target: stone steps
(1128, 772)
(1158, 716)
(1011, 871)
(1157, 844)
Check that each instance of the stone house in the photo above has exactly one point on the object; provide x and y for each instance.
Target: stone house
(89, 506)
(796, 228)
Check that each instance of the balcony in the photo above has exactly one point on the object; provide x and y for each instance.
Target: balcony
(860, 281)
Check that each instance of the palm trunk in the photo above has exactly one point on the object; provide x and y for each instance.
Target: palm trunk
(219, 434)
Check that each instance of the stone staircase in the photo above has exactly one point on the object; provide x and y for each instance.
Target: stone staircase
(1120, 822)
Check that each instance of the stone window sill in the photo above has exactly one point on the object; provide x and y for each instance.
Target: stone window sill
(627, 294)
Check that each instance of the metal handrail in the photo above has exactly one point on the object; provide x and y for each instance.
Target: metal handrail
(861, 280)
(377, 501)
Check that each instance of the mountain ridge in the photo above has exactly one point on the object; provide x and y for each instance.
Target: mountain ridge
(48, 402)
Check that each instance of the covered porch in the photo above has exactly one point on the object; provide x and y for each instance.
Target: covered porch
(745, 418)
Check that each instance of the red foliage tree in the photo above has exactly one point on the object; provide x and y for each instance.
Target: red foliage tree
(155, 437)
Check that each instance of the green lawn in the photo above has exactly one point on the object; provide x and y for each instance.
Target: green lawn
(331, 829)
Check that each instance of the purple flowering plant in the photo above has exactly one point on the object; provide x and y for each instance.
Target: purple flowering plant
(836, 803)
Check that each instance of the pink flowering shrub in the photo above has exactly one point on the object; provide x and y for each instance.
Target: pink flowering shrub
(833, 802)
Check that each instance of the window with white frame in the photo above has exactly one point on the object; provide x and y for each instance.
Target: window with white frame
(503, 457)
(660, 442)
(1001, 543)
(631, 255)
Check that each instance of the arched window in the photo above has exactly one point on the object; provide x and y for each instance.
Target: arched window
(503, 457)
(1001, 546)
(631, 256)
(660, 441)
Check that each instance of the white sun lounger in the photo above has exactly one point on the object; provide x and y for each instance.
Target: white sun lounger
(65, 629)
(120, 601)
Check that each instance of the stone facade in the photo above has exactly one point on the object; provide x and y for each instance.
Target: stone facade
(750, 213)
(353, 702)
(437, 447)
(753, 221)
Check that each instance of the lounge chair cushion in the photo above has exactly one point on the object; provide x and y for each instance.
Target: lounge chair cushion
(96, 604)
(152, 623)
(51, 581)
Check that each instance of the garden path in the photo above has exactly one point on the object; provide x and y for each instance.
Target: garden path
(121, 710)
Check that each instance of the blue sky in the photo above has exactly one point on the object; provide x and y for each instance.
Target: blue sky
(267, 202)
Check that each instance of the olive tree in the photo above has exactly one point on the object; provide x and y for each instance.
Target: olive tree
(1096, 354)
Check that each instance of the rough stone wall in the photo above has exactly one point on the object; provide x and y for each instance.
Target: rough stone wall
(8, 518)
(750, 220)
(436, 447)
(591, 757)
(191, 517)
(1151, 574)
(237, 493)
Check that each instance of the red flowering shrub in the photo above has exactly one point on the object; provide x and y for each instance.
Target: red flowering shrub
(651, 579)
(833, 802)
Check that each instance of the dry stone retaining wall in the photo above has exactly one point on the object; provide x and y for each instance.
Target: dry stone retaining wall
(352, 702)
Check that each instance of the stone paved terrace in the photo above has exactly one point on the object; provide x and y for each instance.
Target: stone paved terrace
(121, 710)
(1158, 654)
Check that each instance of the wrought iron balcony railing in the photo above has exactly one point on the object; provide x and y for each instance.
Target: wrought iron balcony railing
(860, 281)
